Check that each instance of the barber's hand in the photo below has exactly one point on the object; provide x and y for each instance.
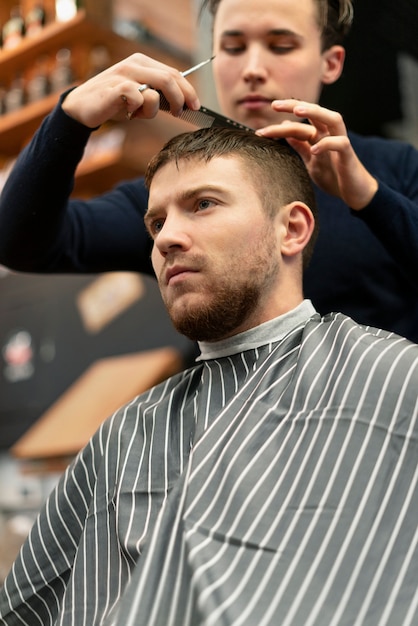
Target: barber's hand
(114, 94)
(326, 151)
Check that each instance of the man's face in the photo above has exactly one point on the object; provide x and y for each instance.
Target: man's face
(266, 50)
(216, 252)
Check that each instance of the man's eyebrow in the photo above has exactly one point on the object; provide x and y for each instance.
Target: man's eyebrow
(149, 214)
(186, 195)
(277, 32)
(193, 192)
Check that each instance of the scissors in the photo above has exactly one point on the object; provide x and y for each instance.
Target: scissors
(145, 86)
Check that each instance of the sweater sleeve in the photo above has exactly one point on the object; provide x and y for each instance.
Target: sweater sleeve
(42, 230)
(392, 215)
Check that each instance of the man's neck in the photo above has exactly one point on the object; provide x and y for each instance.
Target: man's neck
(271, 331)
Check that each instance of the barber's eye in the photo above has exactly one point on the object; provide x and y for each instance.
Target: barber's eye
(282, 49)
(282, 45)
(233, 49)
(232, 45)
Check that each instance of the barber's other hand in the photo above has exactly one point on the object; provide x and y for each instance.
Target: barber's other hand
(326, 151)
(114, 93)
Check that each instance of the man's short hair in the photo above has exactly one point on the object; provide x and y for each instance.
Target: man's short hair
(276, 170)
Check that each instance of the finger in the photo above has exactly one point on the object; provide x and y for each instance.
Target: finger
(319, 116)
(143, 71)
(124, 99)
(332, 144)
(178, 92)
(169, 81)
(287, 129)
(287, 104)
(302, 148)
(146, 106)
(322, 118)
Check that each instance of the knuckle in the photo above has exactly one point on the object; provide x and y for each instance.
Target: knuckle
(138, 57)
(168, 77)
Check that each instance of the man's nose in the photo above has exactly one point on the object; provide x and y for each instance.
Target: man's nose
(255, 68)
(173, 235)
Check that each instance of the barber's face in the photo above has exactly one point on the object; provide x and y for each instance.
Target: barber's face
(266, 50)
(216, 253)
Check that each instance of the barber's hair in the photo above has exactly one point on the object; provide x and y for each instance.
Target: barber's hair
(334, 18)
(276, 170)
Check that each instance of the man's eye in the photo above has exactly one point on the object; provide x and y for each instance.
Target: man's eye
(282, 45)
(156, 226)
(233, 49)
(204, 204)
(281, 49)
(233, 46)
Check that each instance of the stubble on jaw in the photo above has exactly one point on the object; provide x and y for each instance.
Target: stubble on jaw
(219, 317)
(227, 304)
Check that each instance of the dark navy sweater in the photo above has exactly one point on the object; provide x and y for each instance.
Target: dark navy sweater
(365, 263)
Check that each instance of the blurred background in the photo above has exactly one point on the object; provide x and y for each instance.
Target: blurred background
(74, 348)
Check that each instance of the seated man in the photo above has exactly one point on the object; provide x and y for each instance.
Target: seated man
(274, 482)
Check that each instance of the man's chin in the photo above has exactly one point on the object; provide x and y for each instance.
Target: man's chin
(192, 316)
(190, 325)
(184, 301)
(185, 306)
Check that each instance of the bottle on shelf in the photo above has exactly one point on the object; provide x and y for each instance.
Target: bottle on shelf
(3, 92)
(15, 96)
(37, 86)
(13, 30)
(35, 20)
(61, 75)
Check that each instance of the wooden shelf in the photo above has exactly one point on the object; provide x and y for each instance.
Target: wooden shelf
(17, 127)
(81, 34)
(81, 31)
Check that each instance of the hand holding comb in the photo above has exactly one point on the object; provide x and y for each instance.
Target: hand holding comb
(203, 117)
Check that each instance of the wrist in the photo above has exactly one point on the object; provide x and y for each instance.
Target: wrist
(66, 105)
(65, 102)
(363, 199)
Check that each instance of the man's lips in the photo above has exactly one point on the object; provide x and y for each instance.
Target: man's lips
(254, 101)
(177, 273)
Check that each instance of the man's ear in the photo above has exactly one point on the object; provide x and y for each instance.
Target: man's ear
(299, 224)
(333, 63)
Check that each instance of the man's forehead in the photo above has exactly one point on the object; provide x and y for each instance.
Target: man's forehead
(259, 12)
(192, 166)
(191, 175)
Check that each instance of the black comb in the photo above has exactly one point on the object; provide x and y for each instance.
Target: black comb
(203, 117)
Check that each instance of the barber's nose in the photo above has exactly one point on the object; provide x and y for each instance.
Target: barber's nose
(255, 69)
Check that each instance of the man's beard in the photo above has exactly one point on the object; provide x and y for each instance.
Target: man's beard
(227, 303)
(217, 319)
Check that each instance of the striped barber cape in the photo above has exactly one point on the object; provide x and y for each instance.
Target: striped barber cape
(275, 486)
